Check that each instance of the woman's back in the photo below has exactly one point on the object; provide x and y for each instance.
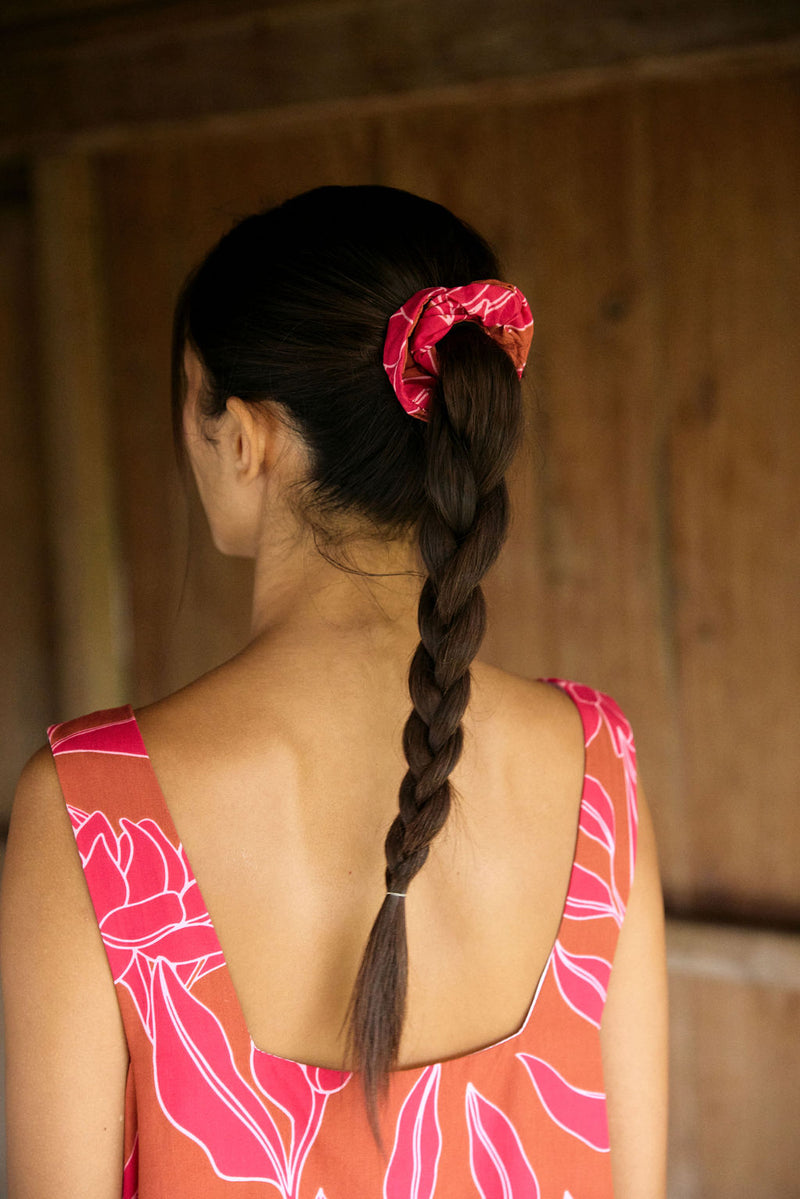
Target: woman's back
(518, 1110)
(282, 798)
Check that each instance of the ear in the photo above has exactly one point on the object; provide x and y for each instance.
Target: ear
(248, 435)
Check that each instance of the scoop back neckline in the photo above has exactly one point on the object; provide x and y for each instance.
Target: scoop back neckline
(223, 971)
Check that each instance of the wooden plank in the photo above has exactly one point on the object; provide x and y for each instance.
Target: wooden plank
(734, 1061)
(89, 622)
(189, 62)
(26, 694)
(724, 209)
(727, 953)
(582, 170)
(734, 1090)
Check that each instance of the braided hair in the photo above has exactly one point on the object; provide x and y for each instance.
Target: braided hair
(292, 306)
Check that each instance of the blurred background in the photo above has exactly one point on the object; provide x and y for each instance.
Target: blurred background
(638, 167)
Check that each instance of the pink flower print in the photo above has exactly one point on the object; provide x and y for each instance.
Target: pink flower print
(597, 821)
(580, 1113)
(582, 981)
(147, 904)
(598, 710)
(500, 1168)
(622, 740)
(590, 897)
(414, 1163)
(597, 814)
(322, 1079)
(202, 1093)
(300, 1094)
(130, 1174)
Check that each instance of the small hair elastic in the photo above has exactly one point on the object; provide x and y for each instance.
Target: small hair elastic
(409, 357)
(397, 894)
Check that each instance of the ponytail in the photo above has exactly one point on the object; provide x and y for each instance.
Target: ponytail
(473, 431)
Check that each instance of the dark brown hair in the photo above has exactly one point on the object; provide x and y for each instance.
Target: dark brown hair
(292, 306)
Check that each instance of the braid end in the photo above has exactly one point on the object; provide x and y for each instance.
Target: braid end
(378, 1005)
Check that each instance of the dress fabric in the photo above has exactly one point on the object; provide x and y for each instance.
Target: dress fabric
(208, 1113)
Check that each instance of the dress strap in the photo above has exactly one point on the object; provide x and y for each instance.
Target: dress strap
(102, 765)
(605, 856)
(146, 900)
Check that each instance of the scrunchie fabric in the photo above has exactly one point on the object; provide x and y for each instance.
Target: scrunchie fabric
(409, 357)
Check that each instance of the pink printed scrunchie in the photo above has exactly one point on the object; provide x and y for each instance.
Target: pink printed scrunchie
(409, 357)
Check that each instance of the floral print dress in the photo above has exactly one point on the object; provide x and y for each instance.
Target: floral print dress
(207, 1113)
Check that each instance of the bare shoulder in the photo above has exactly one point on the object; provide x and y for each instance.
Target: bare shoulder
(42, 876)
(528, 738)
(531, 710)
(204, 713)
(38, 777)
(39, 837)
(44, 894)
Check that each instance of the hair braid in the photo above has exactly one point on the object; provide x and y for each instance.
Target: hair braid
(473, 431)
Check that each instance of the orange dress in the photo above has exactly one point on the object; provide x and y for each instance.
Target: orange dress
(209, 1114)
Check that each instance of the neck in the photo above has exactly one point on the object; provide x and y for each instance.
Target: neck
(307, 607)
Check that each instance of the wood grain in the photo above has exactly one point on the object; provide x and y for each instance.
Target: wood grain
(726, 231)
(734, 1090)
(727, 953)
(89, 617)
(162, 211)
(26, 695)
(128, 66)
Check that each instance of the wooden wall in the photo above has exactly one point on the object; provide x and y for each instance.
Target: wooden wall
(653, 220)
(25, 629)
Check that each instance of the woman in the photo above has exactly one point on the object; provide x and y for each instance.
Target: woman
(470, 1048)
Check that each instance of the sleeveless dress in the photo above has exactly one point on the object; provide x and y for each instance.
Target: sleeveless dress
(209, 1114)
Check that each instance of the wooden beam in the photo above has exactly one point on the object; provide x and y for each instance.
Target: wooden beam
(731, 953)
(130, 67)
(89, 633)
